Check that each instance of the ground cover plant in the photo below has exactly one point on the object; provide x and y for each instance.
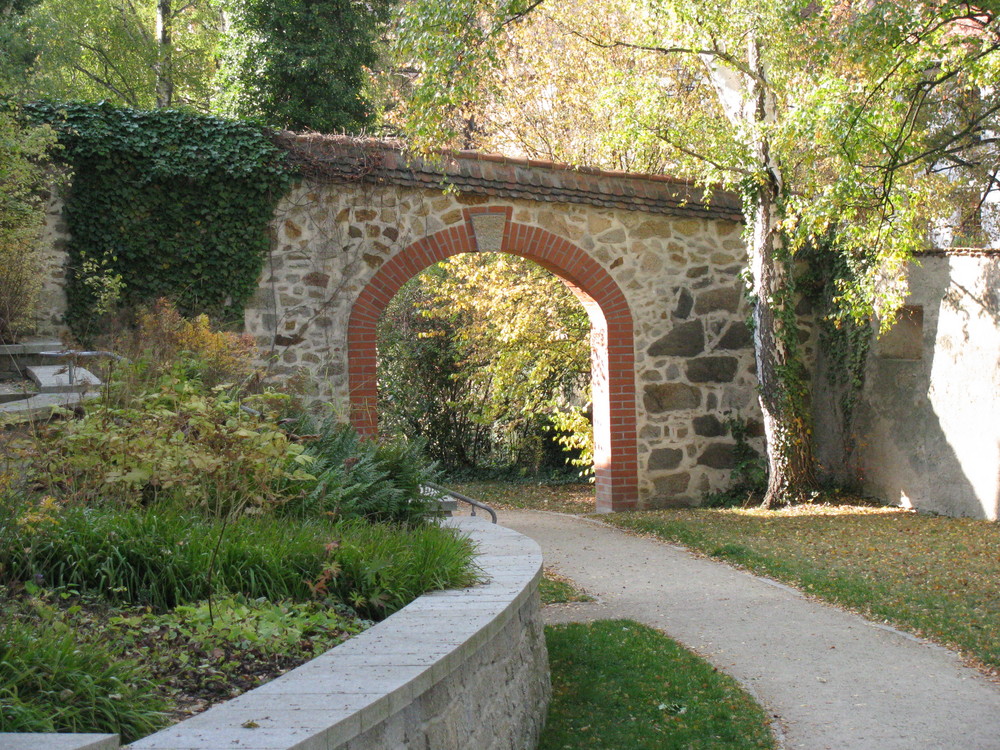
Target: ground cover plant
(936, 577)
(619, 684)
(191, 534)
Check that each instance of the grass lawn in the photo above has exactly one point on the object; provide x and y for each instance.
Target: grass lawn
(557, 589)
(562, 498)
(618, 684)
(936, 577)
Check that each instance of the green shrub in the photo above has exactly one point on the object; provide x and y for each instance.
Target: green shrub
(356, 477)
(179, 444)
(52, 682)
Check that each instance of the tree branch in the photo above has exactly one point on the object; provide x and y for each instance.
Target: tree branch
(106, 84)
(664, 136)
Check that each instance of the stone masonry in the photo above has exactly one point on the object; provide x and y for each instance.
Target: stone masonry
(654, 262)
(656, 266)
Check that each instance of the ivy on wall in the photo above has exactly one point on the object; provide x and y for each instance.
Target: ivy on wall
(163, 204)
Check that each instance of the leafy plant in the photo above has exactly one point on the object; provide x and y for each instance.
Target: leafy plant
(178, 445)
(173, 204)
(355, 477)
(160, 339)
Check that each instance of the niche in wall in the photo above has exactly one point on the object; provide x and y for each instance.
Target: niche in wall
(905, 340)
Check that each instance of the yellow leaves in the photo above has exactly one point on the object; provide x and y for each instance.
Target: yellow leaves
(44, 513)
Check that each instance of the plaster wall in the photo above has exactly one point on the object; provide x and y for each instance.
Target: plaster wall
(927, 432)
(52, 258)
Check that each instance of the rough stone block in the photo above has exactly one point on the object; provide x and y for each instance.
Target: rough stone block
(685, 340)
(670, 397)
(717, 456)
(665, 458)
(708, 425)
(712, 300)
(712, 369)
(672, 484)
(737, 336)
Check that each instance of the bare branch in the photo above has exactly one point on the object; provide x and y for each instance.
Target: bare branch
(106, 84)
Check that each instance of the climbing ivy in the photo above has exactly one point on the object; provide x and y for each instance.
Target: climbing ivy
(844, 337)
(163, 204)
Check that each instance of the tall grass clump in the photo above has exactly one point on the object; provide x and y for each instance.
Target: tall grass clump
(378, 569)
(163, 559)
(51, 682)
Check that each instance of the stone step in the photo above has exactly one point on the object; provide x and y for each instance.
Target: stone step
(30, 347)
(39, 407)
(55, 378)
(24, 741)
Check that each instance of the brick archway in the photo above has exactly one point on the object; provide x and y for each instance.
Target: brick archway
(613, 365)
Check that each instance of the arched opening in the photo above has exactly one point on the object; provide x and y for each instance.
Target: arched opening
(612, 367)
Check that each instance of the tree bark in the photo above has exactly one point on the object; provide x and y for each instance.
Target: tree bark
(164, 55)
(783, 386)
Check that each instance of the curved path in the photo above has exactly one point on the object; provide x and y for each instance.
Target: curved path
(830, 679)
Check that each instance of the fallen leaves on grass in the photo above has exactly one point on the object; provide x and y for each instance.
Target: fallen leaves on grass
(935, 576)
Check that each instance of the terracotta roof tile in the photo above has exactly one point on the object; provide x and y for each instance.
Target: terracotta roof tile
(343, 158)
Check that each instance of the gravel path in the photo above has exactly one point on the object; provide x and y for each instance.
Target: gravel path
(832, 680)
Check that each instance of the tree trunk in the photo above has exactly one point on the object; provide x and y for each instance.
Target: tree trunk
(783, 388)
(164, 55)
(782, 376)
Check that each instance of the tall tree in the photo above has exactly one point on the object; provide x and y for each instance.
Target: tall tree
(140, 53)
(302, 64)
(837, 121)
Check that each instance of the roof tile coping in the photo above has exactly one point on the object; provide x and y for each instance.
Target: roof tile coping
(363, 681)
(945, 251)
(346, 158)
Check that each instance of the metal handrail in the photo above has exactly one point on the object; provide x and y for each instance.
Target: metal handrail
(465, 499)
(73, 354)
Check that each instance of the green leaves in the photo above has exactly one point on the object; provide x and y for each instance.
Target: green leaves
(172, 204)
(301, 64)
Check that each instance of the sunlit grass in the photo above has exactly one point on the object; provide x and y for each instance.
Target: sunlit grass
(618, 684)
(557, 589)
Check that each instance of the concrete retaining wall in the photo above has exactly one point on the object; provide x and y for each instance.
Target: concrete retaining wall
(453, 670)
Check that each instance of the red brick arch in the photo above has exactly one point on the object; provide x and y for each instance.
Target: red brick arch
(611, 334)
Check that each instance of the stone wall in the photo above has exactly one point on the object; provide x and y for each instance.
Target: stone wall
(52, 255)
(927, 432)
(453, 670)
(692, 350)
(657, 269)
